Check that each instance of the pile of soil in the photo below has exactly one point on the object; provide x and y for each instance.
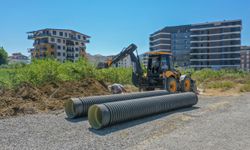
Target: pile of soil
(27, 99)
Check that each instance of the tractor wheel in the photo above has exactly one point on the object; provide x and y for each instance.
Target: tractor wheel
(172, 85)
(186, 85)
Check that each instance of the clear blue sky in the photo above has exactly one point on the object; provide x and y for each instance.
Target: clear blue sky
(112, 24)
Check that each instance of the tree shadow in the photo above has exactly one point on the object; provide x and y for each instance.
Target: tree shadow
(128, 124)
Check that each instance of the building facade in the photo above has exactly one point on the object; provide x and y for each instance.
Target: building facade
(216, 45)
(61, 44)
(207, 45)
(18, 58)
(174, 39)
(245, 58)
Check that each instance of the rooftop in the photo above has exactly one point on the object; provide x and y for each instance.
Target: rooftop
(190, 25)
(87, 36)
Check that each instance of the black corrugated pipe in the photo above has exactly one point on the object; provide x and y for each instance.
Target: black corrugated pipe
(78, 107)
(107, 114)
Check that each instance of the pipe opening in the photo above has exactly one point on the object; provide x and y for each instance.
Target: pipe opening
(69, 107)
(95, 117)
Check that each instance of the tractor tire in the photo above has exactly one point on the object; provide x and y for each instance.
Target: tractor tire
(186, 85)
(172, 85)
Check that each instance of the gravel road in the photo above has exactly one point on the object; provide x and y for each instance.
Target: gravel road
(214, 123)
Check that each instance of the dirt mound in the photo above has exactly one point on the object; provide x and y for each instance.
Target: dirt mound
(27, 99)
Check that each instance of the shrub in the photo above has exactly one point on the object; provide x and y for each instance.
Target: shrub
(115, 75)
(39, 72)
(48, 70)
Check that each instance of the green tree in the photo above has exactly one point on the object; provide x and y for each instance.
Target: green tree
(3, 56)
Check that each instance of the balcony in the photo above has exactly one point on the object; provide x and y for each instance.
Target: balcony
(39, 43)
(69, 50)
(30, 50)
(35, 35)
(70, 57)
(69, 42)
(86, 41)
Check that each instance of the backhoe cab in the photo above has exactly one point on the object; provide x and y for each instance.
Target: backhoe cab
(162, 74)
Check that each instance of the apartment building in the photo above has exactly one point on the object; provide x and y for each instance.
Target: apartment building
(245, 58)
(61, 44)
(205, 45)
(174, 39)
(18, 58)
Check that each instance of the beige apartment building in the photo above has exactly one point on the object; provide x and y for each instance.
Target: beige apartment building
(61, 44)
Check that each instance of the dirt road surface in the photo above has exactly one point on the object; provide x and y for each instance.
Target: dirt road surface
(214, 123)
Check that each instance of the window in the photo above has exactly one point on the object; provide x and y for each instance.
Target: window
(79, 36)
(77, 43)
(63, 54)
(76, 55)
(66, 35)
(61, 33)
(59, 40)
(63, 47)
(58, 54)
(76, 49)
(64, 41)
(58, 47)
(54, 32)
(52, 40)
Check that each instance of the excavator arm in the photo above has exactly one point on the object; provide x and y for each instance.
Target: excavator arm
(137, 69)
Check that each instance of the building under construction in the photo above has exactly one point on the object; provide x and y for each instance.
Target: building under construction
(61, 44)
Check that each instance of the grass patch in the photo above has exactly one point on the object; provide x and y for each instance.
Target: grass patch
(4, 77)
(3, 74)
(220, 79)
(245, 87)
(40, 72)
(225, 85)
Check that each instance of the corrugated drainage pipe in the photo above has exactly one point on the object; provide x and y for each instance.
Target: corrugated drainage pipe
(78, 107)
(107, 114)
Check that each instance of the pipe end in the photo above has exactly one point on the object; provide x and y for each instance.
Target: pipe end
(70, 108)
(98, 116)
